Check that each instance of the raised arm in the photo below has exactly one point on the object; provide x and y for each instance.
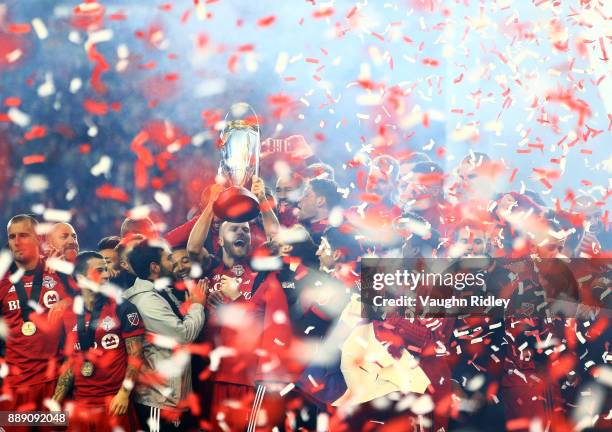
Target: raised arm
(199, 232)
(270, 221)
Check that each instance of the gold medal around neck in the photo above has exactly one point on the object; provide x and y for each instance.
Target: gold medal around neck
(28, 328)
(87, 369)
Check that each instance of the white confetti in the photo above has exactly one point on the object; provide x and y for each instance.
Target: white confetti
(281, 62)
(40, 29)
(35, 183)
(287, 389)
(164, 200)
(75, 85)
(266, 263)
(279, 317)
(18, 117)
(14, 55)
(55, 215)
(47, 88)
(103, 166)
(6, 258)
(423, 405)
(60, 265)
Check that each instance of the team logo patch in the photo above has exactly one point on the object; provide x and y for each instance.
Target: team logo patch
(110, 341)
(50, 298)
(238, 270)
(133, 319)
(48, 282)
(108, 323)
(526, 309)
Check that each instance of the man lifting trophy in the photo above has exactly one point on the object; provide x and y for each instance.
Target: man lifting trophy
(240, 146)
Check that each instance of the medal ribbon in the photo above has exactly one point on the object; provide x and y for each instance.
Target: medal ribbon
(34, 294)
(86, 335)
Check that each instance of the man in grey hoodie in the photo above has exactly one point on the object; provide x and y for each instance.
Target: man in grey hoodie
(159, 405)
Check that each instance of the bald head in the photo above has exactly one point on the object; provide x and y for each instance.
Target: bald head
(62, 239)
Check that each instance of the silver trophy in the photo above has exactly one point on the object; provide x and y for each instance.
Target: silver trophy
(240, 147)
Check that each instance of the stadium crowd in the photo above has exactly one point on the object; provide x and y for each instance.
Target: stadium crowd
(215, 325)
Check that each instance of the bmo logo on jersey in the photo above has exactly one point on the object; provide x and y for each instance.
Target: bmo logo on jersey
(110, 341)
(13, 304)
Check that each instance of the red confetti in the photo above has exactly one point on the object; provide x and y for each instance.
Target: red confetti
(377, 36)
(12, 101)
(35, 132)
(324, 12)
(33, 159)
(430, 62)
(96, 107)
(108, 191)
(267, 21)
(19, 28)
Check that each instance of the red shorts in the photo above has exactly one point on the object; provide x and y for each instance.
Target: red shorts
(28, 398)
(95, 418)
(232, 405)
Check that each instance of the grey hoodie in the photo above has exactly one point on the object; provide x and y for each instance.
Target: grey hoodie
(159, 319)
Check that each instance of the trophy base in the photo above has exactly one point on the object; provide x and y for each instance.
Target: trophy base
(236, 204)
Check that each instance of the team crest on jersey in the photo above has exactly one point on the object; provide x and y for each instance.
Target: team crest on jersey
(238, 270)
(110, 341)
(526, 309)
(12, 289)
(108, 323)
(50, 298)
(48, 282)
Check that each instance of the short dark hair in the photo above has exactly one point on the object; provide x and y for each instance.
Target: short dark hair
(23, 218)
(418, 241)
(141, 226)
(142, 255)
(317, 169)
(343, 239)
(80, 264)
(327, 189)
(416, 157)
(388, 165)
(478, 156)
(427, 168)
(109, 242)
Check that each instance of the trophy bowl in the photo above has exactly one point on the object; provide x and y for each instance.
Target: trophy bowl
(240, 147)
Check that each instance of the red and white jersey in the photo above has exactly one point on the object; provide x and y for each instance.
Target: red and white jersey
(255, 325)
(32, 359)
(108, 355)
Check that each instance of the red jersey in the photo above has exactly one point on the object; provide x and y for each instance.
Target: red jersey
(179, 235)
(115, 323)
(287, 214)
(255, 325)
(375, 224)
(32, 359)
